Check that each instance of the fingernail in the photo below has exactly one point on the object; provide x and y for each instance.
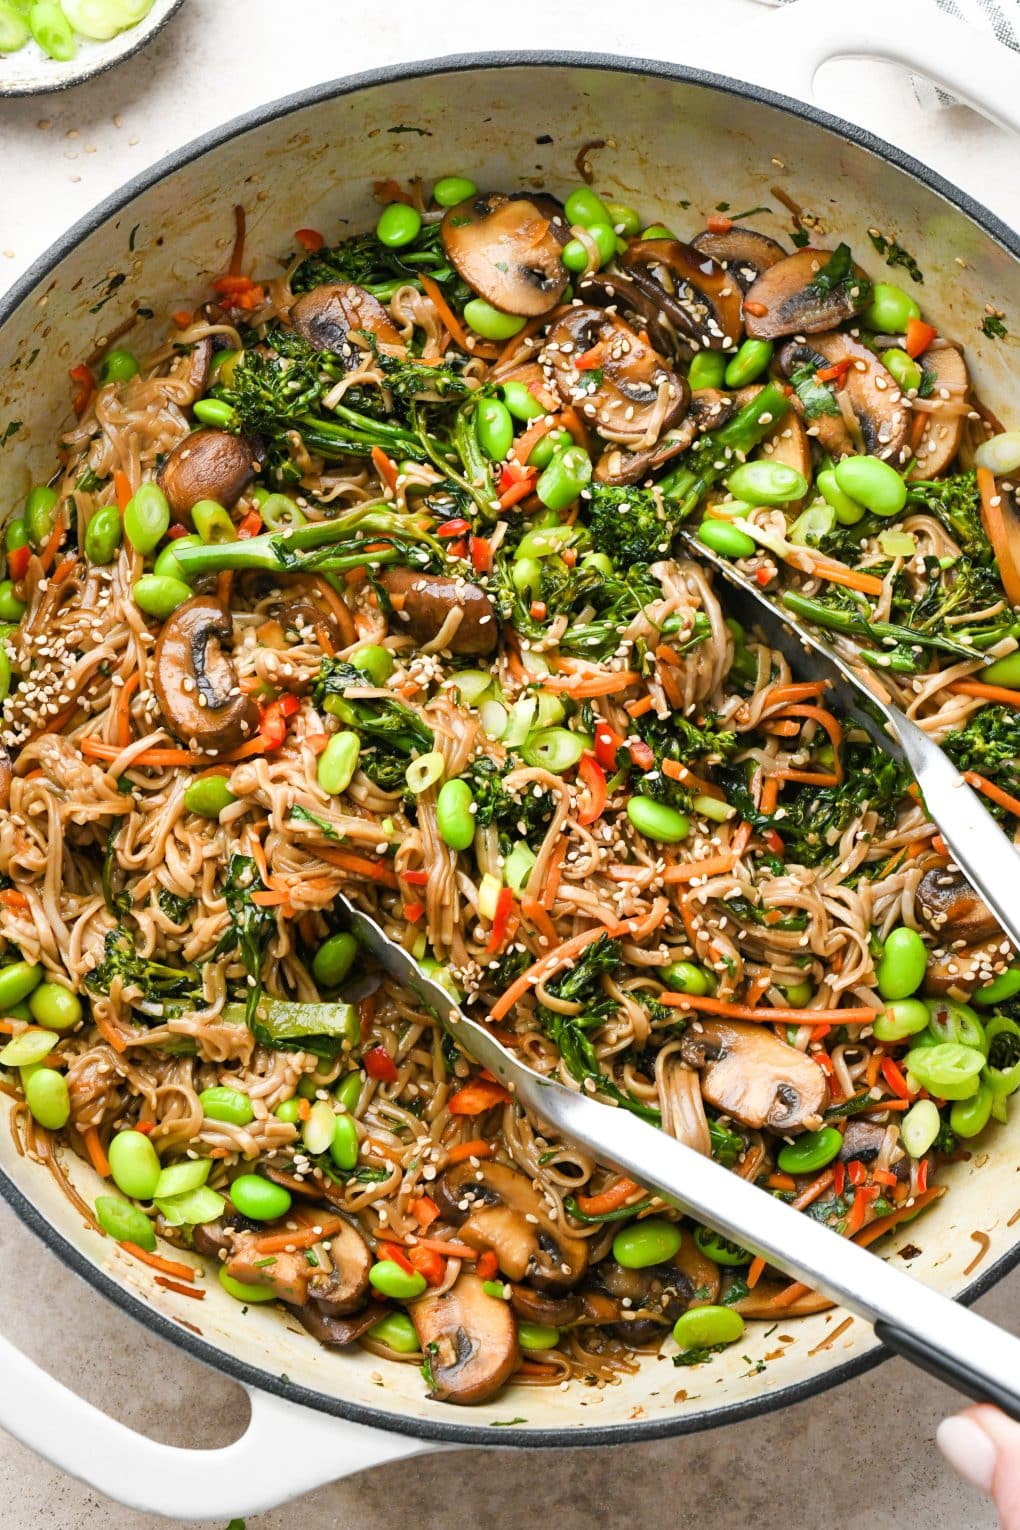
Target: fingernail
(968, 1450)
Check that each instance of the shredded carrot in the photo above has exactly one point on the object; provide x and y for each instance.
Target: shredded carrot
(517, 491)
(194, 1292)
(608, 1200)
(852, 578)
(122, 489)
(782, 727)
(424, 1210)
(477, 1097)
(808, 777)
(309, 239)
(826, 720)
(999, 693)
(1000, 534)
(535, 1368)
(524, 447)
(882, 1225)
(536, 914)
(553, 960)
(996, 793)
(792, 1294)
(573, 423)
(769, 795)
(516, 341)
(270, 899)
(787, 695)
(781, 1182)
(446, 313)
(94, 749)
(278, 1243)
(182, 317)
(597, 683)
(554, 873)
(755, 1271)
(812, 1191)
(94, 1148)
(16, 901)
(939, 845)
(689, 871)
(157, 1262)
(640, 707)
(477, 1147)
(385, 467)
(859, 1015)
(677, 772)
(872, 1069)
(127, 690)
(49, 552)
(448, 1250)
(359, 865)
(108, 1031)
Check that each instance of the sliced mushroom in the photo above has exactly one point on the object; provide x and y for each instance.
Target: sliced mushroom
(707, 409)
(637, 299)
(942, 431)
(287, 1275)
(199, 363)
(326, 315)
(195, 681)
(871, 394)
(749, 1074)
(303, 616)
(212, 1239)
(743, 252)
(952, 909)
(344, 1287)
(863, 1141)
(208, 464)
(630, 394)
(702, 1272)
(760, 1303)
(541, 1307)
(649, 1300)
(683, 1108)
(698, 296)
(786, 299)
(955, 974)
(334, 1330)
(507, 249)
(498, 1208)
(469, 1340)
(423, 604)
(789, 444)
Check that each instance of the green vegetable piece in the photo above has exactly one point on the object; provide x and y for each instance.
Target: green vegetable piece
(390, 1280)
(685, 977)
(1004, 672)
(447, 192)
(920, 1127)
(338, 762)
(949, 1020)
(543, 452)
(719, 1249)
(146, 517)
(905, 1018)
(537, 1336)
(178, 1178)
(947, 1070)
(221, 1103)
(657, 820)
(1003, 1068)
(159, 596)
(398, 225)
(208, 796)
(900, 972)
(1001, 988)
(167, 564)
(47, 1097)
(586, 207)
(348, 1091)
(17, 981)
(490, 322)
(117, 366)
(134, 1164)
(40, 516)
(317, 1129)
(811, 1151)
(425, 771)
(799, 994)
(728, 541)
(14, 29)
(192, 1207)
(890, 310)
(344, 1147)
(625, 220)
(375, 662)
(521, 404)
(259, 1198)
(494, 428)
(707, 370)
(969, 1117)
(212, 522)
(55, 1007)
(767, 483)
(641, 1244)
(903, 368)
(563, 480)
(27, 1048)
(103, 535)
(518, 866)
(280, 513)
(751, 360)
(12, 609)
(397, 1332)
(707, 1327)
(555, 749)
(289, 1111)
(658, 231)
(214, 411)
(872, 483)
(334, 959)
(454, 817)
(124, 1222)
(241, 1291)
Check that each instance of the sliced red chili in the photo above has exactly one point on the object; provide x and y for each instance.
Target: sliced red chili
(378, 1064)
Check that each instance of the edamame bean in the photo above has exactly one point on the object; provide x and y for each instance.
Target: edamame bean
(641, 1244)
(103, 535)
(526, 575)
(719, 1249)
(344, 1147)
(491, 323)
(586, 207)
(134, 1164)
(811, 1151)
(125, 1222)
(454, 817)
(707, 370)
(685, 977)
(600, 562)
(338, 762)
(11, 608)
(55, 1007)
(39, 514)
(259, 1198)
(969, 1117)
(521, 404)
(706, 1327)
(751, 360)
(289, 1111)
(562, 481)
(16, 534)
(798, 994)
(117, 366)
(243, 1292)
(390, 1280)
(1004, 672)
(448, 191)
(213, 411)
(17, 980)
(494, 429)
(900, 971)
(158, 595)
(212, 522)
(167, 564)
(348, 1091)
(575, 255)
(728, 541)
(220, 1103)
(657, 820)
(537, 1336)
(920, 1127)
(397, 1332)
(398, 225)
(280, 513)
(872, 483)
(890, 310)
(543, 452)
(767, 483)
(658, 231)
(1003, 987)
(146, 517)
(374, 661)
(902, 1019)
(625, 220)
(903, 368)
(334, 959)
(208, 796)
(47, 1097)
(848, 512)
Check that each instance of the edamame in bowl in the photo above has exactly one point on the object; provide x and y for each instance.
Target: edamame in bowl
(367, 578)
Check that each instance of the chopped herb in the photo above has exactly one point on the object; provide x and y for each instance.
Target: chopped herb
(993, 327)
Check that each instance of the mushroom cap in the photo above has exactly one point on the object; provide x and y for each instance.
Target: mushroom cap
(637, 299)
(743, 252)
(869, 389)
(749, 1074)
(343, 1288)
(325, 316)
(497, 1207)
(952, 909)
(507, 248)
(955, 974)
(938, 445)
(423, 602)
(792, 306)
(707, 408)
(207, 464)
(336, 1330)
(635, 394)
(190, 663)
(790, 444)
(683, 1107)
(697, 295)
(470, 1339)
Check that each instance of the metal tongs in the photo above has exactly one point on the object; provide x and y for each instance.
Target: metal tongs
(933, 1331)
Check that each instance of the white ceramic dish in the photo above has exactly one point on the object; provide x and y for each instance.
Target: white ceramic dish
(30, 72)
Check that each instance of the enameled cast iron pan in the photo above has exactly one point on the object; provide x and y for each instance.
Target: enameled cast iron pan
(509, 120)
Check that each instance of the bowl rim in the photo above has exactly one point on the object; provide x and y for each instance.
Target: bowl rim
(448, 1430)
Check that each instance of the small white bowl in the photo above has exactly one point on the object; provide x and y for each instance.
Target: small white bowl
(31, 72)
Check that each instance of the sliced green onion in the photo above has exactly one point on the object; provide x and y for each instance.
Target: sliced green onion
(517, 866)
(28, 1047)
(192, 1207)
(812, 525)
(489, 889)
(555, 749)
(518, 726)
(919, 1127)
(493, 717)
(711, 807)
(317, 1131)
(897, 544)
(424, 772)
(472, 686)
(178, 1178)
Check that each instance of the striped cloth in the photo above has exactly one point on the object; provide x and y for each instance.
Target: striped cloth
(1000, 17)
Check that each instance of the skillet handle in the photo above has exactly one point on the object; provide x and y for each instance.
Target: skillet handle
(284, 1451)
(786, 49)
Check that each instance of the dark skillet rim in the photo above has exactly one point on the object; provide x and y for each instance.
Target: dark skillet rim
(436, 1429)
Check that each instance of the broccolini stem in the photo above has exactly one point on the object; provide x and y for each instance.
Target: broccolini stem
(854, 625)
(720, 450)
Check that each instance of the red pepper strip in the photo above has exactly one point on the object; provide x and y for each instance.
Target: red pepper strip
(774, 842)
(591, 774)
(481, 555)
(413, 912)
(919, 337)
(458, 549)
(415, 878)
(396, 1255)
(86, 387)
(17, 562)
(501, 918)
(176, 531)
(838, 1179)
(836, 372)
(477, 1097)
(718, 223)
(249, 525)
(642, 755)
(273, 720)
(607, 745)
(856, 1173)
(855, 1221)
(454, 528)
(537, 610)
(378, 1064)
(922, 1176)
(309, 239)
(428, 1263)
(893, 1076)
(486, 1265)
(517, 491)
